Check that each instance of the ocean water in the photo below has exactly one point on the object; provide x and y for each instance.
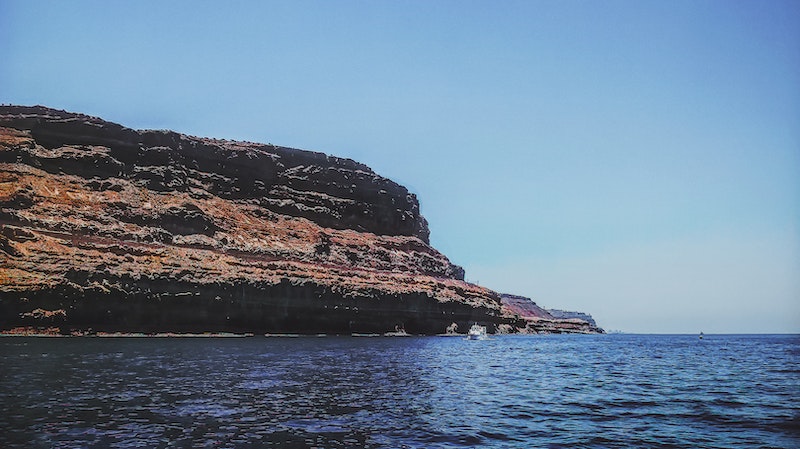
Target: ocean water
(731, 391)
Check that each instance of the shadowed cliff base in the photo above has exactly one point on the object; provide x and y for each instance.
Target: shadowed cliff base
(112, 229)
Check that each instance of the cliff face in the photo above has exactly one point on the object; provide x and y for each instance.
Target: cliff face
(534, 319)
(332, 192)
(110, 228)
(565, 314)
(106, 228)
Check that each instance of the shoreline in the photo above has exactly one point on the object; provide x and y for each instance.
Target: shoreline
(56, 332)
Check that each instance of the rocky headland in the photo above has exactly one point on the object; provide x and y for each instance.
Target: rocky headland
(109, 229)
(538, 320)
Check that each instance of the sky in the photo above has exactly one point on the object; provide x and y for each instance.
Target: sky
(636, 160)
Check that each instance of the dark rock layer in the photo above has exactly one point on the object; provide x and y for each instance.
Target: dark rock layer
(111, 229)
(333, 192)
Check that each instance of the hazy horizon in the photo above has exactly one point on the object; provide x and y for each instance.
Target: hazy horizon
(635, 160)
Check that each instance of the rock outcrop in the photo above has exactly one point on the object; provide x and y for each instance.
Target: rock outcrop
(109, 229)
(534, 319)
(565, 314)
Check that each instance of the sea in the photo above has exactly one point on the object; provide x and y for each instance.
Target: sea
(553, 391)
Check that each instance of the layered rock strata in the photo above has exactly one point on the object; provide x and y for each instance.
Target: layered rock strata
(566, 314)
(113, 229)
(534, 319)
(109, 229)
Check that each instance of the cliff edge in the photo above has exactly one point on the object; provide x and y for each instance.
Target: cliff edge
(108, 229)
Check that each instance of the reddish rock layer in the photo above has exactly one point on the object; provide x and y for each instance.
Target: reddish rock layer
(533, 319)
(109, 229)
(116, 229)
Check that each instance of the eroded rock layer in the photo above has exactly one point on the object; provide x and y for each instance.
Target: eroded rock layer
(113, 229)
(532, 319)
(109, 229)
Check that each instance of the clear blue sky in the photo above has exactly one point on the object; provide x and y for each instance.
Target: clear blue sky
(637, 160)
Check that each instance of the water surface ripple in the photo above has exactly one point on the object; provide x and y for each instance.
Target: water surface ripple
(427, 392)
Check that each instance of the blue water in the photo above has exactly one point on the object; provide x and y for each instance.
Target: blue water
(426, 392)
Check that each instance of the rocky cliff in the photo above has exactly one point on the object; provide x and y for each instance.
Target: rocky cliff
(566, 314)
(106, 228)
(539, 320)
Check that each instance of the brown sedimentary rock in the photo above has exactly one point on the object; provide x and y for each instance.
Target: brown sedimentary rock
(532, 319)
(114, 229)
(109, 229)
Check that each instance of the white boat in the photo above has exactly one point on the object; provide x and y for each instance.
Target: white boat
(477, 332)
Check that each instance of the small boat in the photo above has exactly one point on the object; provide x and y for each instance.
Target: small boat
(701, 335)
(477, 332)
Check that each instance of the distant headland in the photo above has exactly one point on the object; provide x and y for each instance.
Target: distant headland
(106, 229)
